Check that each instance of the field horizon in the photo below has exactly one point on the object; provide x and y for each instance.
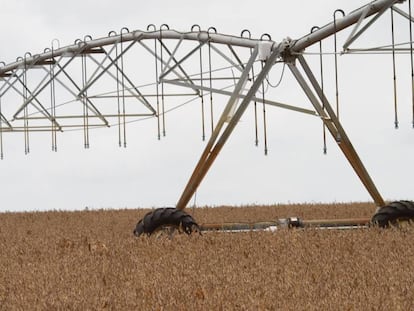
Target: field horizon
(90, 260)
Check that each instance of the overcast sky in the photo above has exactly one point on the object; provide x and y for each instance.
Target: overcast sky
(152, 173)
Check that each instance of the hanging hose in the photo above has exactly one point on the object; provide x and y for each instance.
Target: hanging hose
(162, 83)
(394, 70)
(411, 59)
(53, 96)
(53, 102)
(280, 79)
(336, 64)
(325, 149)
(25, 110)
(85, 104)
(203, 129)
(211, 86)
(264, 116)
(256, 132)
(123, 87)
(1, 133)
(157, 93)
(211, 80)
(1, 126)
(264, 103)
(118, 97)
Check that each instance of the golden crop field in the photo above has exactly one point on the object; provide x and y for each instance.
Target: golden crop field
(90, 260)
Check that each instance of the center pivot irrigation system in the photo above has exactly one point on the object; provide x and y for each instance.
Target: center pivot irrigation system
(94, 83)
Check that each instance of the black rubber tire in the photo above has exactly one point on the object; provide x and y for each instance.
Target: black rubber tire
(393, 212)
(166, 217)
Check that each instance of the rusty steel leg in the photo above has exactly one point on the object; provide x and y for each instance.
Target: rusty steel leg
(335, 128)
(215, 144)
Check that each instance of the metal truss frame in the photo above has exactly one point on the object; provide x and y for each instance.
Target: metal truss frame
(172, 61)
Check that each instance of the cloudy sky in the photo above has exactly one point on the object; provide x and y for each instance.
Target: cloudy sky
(152, 173)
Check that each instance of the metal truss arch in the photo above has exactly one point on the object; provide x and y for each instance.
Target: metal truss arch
(96, 83)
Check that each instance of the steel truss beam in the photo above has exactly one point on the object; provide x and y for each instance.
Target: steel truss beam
(340, 24)
(41, 110)
(403, 14)
(134, 36)
(355, 35)
(174, 65)
(101, 69)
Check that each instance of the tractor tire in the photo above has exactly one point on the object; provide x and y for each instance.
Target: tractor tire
(166, 217)
(392, 213)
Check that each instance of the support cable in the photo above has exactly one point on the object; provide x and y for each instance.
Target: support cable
(394, 71)
(411, 59)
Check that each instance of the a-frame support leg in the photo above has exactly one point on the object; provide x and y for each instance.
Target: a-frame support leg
(334, 126)
(216, 143)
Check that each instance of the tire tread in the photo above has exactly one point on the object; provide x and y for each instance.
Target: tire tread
(393, 212)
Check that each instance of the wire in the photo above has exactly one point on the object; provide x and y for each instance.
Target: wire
(151, 117)
(280, 79)
(126, 89)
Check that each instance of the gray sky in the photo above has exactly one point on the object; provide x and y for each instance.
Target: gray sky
(152, 173)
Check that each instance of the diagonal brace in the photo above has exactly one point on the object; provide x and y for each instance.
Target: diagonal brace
(354, 36)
